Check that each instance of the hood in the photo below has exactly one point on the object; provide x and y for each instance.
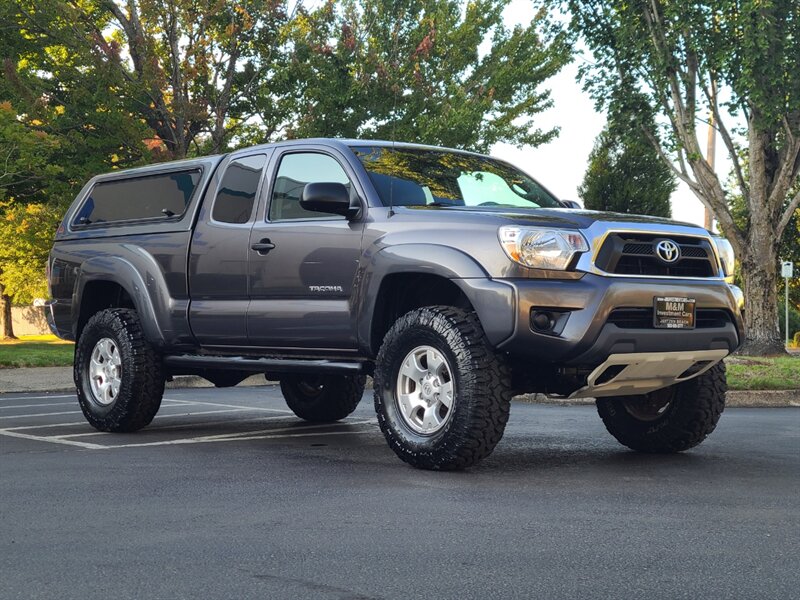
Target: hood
(554, 217)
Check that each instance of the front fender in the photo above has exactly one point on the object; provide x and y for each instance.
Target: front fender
(492, 300)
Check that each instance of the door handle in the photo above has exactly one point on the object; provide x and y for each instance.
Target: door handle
(263, 246)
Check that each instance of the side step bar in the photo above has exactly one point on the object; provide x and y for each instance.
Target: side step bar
(194, 363)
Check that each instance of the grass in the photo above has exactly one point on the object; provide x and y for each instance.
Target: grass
(744, 372)
(35, 351)
(763, 373)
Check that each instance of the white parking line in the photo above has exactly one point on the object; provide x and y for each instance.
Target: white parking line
(171, 427)
(239, 439)
(248, 435)
(20, 398)
(280, 410)
(225, 437)
(45, 426)
(178, 414)
(52, 414)
(158, 416)
(52, 440)
(37, 405)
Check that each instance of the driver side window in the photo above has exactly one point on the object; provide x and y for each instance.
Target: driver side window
(294, 172)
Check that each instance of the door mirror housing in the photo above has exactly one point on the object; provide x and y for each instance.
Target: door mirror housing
(574, 204)
(331, 198)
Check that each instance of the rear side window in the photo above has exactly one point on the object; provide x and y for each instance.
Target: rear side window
(237, 191)
(135, 198)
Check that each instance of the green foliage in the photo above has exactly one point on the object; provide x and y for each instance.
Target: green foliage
(794, 319)
(184, 69)
(626, 175)
(796, 339)
(415, 71)
(26, 235)
(25, 157)
(750, 46)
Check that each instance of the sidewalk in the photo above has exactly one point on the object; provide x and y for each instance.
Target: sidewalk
(59, 379)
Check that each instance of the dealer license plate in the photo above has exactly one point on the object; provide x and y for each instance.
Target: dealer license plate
(673, 313)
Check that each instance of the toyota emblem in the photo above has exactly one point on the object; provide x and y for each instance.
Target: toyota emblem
(668, 251)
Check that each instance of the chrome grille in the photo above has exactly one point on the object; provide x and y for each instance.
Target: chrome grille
(635, 254)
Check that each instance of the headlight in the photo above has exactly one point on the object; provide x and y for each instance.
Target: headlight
(541, 248)
(726, 256)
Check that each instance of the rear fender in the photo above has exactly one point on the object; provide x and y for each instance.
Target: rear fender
(144, 284)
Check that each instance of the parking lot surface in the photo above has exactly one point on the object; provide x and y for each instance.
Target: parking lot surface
(228, 495)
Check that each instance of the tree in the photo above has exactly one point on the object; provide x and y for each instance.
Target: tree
(61, 121)
(734, 59)
(187, 68)
(432, 71)
(626, 175)
(24, 166)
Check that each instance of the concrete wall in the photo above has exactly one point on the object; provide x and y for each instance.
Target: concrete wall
(29, 320)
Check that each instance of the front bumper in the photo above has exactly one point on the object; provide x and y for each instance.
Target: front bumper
(588, 339)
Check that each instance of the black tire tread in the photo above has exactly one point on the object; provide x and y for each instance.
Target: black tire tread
(140, 396)
(698, 407)
(485, 383)
(340, 397)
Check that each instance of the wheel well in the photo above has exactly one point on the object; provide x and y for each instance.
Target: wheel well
(100, 295)
(404, 292)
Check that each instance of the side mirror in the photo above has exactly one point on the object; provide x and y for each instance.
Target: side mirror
(329, 197)
(572, 204)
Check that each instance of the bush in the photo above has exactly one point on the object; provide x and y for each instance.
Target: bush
(794, 319)
(796, 340)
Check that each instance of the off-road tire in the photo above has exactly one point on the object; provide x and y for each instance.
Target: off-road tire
(322, 398)
(142, 377)
(694, 409)
(481, 397)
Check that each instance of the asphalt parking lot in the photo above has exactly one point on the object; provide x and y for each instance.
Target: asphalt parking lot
(228, 495)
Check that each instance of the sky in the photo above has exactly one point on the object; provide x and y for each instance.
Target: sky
(561, 164)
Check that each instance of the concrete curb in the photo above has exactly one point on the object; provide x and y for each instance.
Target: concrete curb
(59, 379)
(733, 399)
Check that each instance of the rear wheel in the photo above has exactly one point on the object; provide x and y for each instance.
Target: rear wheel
(441, 393)
(322, 398)
(669, 420)
(117, 372)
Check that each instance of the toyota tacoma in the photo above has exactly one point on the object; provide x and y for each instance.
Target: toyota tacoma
(453, 278)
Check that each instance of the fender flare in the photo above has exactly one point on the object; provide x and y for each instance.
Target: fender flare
(147, 291)
(493, 301)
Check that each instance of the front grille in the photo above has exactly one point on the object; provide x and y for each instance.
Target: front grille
(642, 318)
(635, 254)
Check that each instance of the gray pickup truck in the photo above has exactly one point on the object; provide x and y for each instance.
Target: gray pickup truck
(453, 278)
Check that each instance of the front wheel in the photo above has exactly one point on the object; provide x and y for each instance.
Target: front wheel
(441, 393)
(117, 372)
(669, 420)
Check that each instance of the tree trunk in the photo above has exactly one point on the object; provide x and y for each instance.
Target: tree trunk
(760, 272)
(6, 324)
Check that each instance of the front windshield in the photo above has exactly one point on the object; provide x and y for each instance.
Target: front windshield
(422, 177)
